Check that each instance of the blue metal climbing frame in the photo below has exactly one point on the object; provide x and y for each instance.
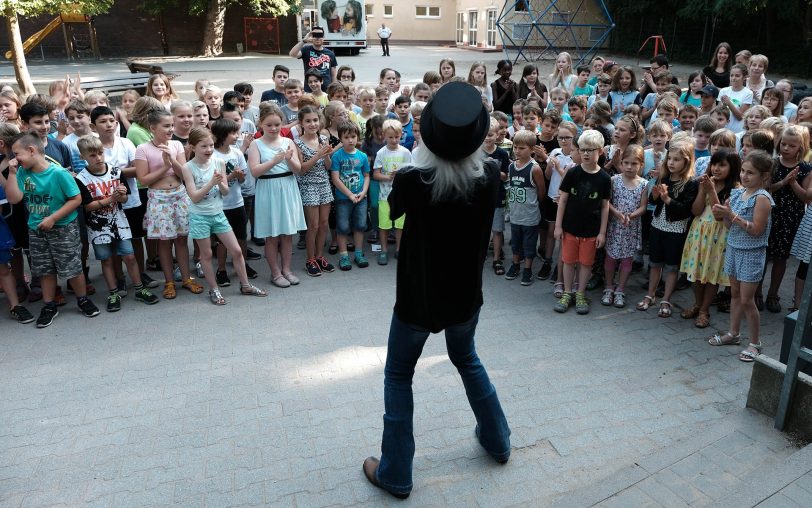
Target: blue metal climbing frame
(534, 30)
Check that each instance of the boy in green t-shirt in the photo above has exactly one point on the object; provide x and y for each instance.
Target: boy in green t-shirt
(51, 196)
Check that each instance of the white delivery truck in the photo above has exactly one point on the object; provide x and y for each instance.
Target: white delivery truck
(344, 23)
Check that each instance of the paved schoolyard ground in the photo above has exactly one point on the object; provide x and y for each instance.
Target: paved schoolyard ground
(279, 400)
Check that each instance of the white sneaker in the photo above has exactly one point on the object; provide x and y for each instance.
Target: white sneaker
(199, 270)
(608, 297)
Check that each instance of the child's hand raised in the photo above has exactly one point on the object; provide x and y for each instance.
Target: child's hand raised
(324, 150)
(289, 153)
(655, 191)
(721, 211)
(706, 183)
(792, 175)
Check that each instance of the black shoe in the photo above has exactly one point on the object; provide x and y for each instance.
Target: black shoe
(301, 243)
(546, 270)
(527, 276)
(146, 296)
(325, 265)
(513, 271)
(333, 250)
(251, 255)
(148, 281)
(88, 308)
(121, 287)
(250, 272)
(222, 279)
(113, 302)
(501, 458)
(47, 315)
(260, 242)
(350, 246)
(153, 265)
(21, 314)
(372, 238)
(312, 268)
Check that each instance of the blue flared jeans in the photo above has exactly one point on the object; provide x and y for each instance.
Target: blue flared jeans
(405, 347)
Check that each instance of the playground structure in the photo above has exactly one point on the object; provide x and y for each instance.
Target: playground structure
(533, 30)
(76, 43)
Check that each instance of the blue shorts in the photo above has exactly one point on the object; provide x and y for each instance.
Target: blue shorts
(203, 226)
(745, 265)
(104, 251)
(350, 216)
(523, 240)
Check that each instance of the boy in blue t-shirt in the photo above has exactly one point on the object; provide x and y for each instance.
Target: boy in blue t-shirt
(51, 197)
(349, 172)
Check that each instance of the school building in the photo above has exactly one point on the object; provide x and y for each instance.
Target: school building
(470, 23)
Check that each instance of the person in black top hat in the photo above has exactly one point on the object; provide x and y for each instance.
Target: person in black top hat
(448, 195)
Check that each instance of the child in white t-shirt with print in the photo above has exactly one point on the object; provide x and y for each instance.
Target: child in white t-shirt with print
(388, 161)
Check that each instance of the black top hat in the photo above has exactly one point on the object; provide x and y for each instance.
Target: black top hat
(454, 123)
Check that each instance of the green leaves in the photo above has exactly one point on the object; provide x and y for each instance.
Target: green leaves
(198, 7)
(28, 8)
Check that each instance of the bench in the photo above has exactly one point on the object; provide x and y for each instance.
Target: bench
(136, 82)
(136, 67)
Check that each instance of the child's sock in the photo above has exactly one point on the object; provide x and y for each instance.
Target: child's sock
(138, 287)
(359, 253)
(343, 254)
(113, 291)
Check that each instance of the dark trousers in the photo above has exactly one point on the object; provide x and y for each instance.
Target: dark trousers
(385, 46)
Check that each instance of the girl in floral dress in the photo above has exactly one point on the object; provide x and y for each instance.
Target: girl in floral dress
(703, 257)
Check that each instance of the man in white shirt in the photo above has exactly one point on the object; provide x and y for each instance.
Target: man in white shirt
(384, 33)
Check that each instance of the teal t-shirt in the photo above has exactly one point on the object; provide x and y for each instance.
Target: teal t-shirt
(587, 90)
(46, 192)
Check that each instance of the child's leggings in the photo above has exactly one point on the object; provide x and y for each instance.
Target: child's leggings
(610, 264)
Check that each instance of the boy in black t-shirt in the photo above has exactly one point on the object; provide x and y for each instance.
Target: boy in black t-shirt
(583, 213)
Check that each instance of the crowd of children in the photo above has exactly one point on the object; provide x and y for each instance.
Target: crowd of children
(710, 181)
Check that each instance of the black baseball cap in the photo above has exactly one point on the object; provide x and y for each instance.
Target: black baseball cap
(711, 90)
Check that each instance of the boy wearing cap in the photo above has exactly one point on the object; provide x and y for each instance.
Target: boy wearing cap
(315, 56)
(709, 94)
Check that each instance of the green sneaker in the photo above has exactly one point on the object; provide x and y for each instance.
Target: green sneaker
(146, 296)
(344, 263)
(563, 303)
(114, 302)
(581, 303)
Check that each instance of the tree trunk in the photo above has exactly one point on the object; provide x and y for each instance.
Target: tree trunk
(215, 26)
(15, 42)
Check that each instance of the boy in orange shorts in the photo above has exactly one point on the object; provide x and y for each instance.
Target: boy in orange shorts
(580, 224)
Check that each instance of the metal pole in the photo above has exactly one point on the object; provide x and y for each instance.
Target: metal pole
(802, 329)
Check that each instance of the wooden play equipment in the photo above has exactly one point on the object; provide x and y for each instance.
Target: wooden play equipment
(76, 44)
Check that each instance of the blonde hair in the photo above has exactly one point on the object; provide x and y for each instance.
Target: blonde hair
(800, 132)
(774, 124)
(214, 90)
(524, 138)
(660, 127)
(560, 90)
(176, 105)
(685, 148)
(569, 126)
(89, 144)
(724, 138)
(417, 108)
(557, 78)
(143, 107)
(331, 109)
(590, 139)
(366, 93)
(132, 93)
(762, 59)
(393, 124)
(96, 94)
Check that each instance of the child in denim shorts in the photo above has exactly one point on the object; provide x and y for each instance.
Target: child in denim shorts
(350, 175)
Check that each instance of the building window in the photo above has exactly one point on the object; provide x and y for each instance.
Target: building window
(387, 11)
(460, 27)
(370, 10)
(473, 17)
(426, 11)
(492, 28)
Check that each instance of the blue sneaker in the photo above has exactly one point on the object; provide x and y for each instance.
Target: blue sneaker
(361, 261)
(344, 264)
(383, 258)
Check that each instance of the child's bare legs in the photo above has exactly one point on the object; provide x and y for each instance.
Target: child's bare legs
(549, 244)
(498, 242)
(742, 304)
(138, 252)
(133, 269)
(800, 280)
(286, 252)
(671, 276)
(311, 236)
(776, 276)
(78, 283)
(165, 256)
(272, 255)
(229, 241)
(204, 249)
(609, 265)
(398, 236)
(568, 275)
(654, 275)
(182, 255)
(707, 296)
(383, 234)
(584, 273)
(625, 273)
(358, 238)
(109, 272)
(48, 285)
(153, 248)
(8, 284)
(323, 228)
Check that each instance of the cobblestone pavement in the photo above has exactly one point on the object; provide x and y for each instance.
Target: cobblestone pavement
(278, 400)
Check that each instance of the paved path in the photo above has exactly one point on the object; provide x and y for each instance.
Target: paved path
(278, 400)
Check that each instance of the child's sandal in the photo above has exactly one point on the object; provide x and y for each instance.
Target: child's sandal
(558, 290)
(192, 286)
(169, 291)
(690, 312)
(645, 303)
(498, 267)
(720, 340)
(702, 320)
(748, 356)
(251, 290)
(216, 297)
(665, 309)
